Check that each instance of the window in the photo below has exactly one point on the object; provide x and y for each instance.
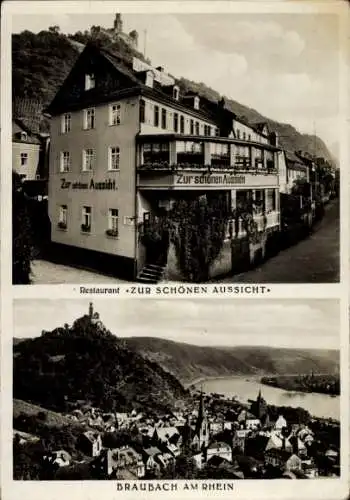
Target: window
(62, 217)
(65, 161)
(196, 102)
(89, 118)
(66, 123)
(86, 219)
(24, 136)
(176, 93)
(197, 128)
(114, 114)
(156, 116)
(217, 132)
(113, 216)
(89, 81)
(114, 157)
(238, 133)
(88, 159)
(191, 128)
(244, 136)
(176, 122)
(249, 137)
(182, 125)
(163, 118)
(209, 130)
(142, 111)
(24, 159)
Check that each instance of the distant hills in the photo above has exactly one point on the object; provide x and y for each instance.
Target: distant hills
(42, 61)
(189, 362)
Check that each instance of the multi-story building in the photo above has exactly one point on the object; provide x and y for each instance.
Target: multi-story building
(26, 152)
(127, 142)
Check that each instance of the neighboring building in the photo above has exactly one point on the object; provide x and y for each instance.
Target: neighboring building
(126, 143)
(291, 169)
(26, 152)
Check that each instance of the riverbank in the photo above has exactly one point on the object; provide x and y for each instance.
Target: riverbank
(245, 388)
(326, 384)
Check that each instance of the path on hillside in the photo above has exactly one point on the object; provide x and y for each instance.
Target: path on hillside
(312, 260)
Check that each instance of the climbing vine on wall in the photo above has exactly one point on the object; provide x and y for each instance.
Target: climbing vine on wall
(199, 229)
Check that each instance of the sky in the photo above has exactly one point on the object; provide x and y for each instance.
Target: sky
(283, 65)
(219, 322)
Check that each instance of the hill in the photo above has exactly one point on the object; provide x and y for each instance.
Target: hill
(86, 362)
(42, 61)
(189, 362)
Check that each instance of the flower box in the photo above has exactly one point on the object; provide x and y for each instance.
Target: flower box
(112, 233)
(85, 228)
(62, 225)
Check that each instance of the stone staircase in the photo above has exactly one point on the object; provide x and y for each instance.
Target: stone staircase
(151, 274)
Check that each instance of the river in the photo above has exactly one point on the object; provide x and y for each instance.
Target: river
(243, 388)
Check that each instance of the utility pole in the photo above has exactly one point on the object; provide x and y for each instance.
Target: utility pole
(144, 43)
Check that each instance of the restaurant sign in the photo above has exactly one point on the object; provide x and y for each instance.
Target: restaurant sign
(107, 184)
(205, 179)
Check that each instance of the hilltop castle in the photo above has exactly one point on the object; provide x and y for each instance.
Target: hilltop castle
(117, 32)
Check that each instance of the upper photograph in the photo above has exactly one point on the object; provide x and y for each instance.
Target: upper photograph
(195, 148)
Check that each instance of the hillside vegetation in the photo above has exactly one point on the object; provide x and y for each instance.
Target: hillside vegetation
(86, 362)
(42, 61)
(189, 362)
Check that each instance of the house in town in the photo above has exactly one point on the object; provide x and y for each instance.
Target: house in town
(277, 457)
(150, 459)
(280, 423)
(57, 458)
(239, 439)
(91, 443)
(118, 460)
(279, 441)
(219, 449)
(127, 144)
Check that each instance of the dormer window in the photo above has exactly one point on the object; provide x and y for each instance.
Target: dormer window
(176, 93)
(196, 102)
(149, 79)
(89, 81)
(24, 136)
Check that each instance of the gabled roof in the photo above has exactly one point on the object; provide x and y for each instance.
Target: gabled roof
(17, 127)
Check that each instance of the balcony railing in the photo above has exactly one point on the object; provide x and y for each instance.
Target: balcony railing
(263, 222)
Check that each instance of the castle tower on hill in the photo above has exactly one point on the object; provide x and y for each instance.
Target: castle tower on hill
(118, 24)
(201, 433)
(94, 316)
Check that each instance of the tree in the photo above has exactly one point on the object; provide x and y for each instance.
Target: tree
(54, 29)
(21, 234)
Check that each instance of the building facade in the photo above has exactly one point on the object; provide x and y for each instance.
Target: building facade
(127, 144)
(26, 151)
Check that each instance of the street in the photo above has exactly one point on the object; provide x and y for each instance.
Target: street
(313, 260)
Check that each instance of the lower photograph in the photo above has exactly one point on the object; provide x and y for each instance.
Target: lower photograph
(148, 389)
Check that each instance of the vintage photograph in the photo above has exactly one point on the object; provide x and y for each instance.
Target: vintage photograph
(234, 392)
(175, 148)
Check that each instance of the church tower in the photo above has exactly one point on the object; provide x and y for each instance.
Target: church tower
(201, 433)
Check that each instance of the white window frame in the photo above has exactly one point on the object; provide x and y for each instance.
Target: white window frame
(115, 114)
(111, 154)
(113, 221)
(24, 156)
(86, 216)
(24, 136)
(90, 81)
(85, 166)
(89, 114)
(63, 215)
(66, 124)
(65, 161)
